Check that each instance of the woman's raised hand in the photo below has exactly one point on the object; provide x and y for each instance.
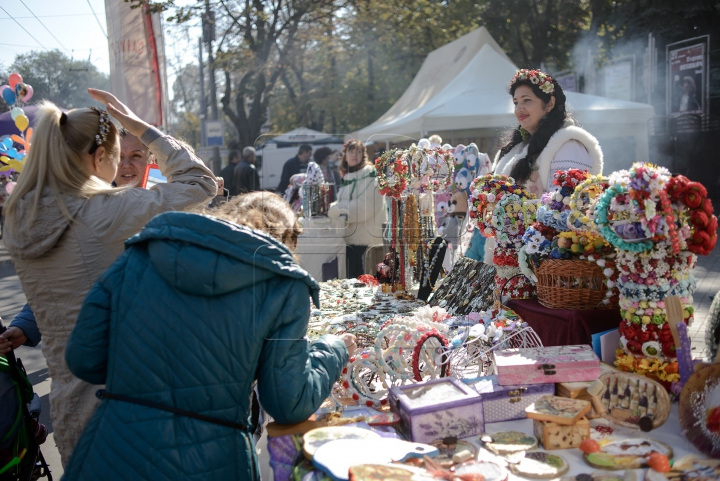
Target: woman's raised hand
(120, 111)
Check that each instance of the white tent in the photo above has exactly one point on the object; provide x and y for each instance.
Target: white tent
(471, 100)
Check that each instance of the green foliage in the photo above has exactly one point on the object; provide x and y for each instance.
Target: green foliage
(56, 77)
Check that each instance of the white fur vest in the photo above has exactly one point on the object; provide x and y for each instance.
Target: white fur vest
(565, 134)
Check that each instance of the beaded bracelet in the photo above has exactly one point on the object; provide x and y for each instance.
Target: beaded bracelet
(360, 391)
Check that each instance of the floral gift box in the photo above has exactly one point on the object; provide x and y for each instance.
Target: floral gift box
(506, 403)
(438, 409)
(543, 365)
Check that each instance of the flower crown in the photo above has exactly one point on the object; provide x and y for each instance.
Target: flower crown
(542, 80)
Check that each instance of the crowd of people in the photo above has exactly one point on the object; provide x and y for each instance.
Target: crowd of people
(184, 301)
(223, 282)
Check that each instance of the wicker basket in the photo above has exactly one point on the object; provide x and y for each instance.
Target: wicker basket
(571, 284)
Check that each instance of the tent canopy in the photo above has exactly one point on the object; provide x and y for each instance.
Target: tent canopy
(475, 96)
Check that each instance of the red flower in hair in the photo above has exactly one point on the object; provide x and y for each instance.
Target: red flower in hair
(643, 336)
(668, 348)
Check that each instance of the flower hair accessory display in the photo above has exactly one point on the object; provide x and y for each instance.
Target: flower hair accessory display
(393, 173)
(657, 224)
(434, 168)
(542, 80)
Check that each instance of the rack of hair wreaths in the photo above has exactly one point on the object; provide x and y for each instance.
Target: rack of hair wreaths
(409, 179)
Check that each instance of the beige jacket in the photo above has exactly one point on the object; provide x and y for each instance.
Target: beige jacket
(58, 261)
(365, 207)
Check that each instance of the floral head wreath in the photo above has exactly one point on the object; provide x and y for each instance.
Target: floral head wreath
(542, 80)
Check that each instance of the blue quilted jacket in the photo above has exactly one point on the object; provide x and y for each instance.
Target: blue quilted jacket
(189, 316)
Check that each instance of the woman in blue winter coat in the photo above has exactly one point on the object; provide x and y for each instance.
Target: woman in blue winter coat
(195, 311)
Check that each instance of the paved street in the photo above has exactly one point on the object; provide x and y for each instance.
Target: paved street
(12, 299)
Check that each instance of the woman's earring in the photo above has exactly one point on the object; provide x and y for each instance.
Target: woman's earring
(525, 134)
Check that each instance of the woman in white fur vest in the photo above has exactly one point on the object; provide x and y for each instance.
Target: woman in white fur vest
(548, 138)
(360, 200)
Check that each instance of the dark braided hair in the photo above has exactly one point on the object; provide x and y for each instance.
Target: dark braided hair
(549, 124)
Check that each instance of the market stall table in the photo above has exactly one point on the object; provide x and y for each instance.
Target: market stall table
(283, 449)
(322, 242)
(565, 327)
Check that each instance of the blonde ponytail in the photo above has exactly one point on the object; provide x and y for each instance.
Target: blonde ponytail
(55, 160)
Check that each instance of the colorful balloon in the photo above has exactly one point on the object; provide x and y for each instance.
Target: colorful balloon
(21, 90)
(8, 96)
(29, 93)
(6, 143)
(14, 79)
(15, 112)
(22, 122)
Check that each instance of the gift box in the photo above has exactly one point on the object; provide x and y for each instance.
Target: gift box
(506, 403)
(437, 409)
(557, 436)
(542, 365)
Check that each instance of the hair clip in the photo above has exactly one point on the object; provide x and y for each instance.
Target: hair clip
(63, 118)
(103, 128)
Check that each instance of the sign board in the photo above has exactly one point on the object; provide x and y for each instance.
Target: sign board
(214, 131)
(567, 81)
(687, 79)
(620, 80)
(206, 155)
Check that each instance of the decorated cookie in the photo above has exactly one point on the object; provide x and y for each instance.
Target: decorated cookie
(539, 465)
(509, 442)
(627, 454)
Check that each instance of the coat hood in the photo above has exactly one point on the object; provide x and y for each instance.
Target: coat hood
(32, 239)
(207, 256)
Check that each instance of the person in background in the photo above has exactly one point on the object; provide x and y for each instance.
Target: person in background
(321, 157)
(359, 199)
(65, 224)
(245, 175)
(296, 165)
(228, 170)
(222, 194)
(134, 158)
(235, 265)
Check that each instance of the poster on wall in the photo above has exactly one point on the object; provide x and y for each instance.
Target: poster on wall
(567, 81)
(620, 79)
(687, 79)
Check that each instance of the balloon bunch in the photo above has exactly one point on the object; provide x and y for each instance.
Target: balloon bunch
(16, 93)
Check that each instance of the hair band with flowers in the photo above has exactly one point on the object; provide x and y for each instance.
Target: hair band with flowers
(433, 168)
(542, 80)
(393, 173)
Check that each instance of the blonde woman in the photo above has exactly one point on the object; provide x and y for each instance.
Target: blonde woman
(360, 200)
(66, 224)
(179, 329)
